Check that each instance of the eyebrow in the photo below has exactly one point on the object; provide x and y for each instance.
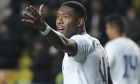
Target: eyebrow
(57, 13)
(61, 13)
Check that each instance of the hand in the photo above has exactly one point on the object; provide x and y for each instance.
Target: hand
(34, 18)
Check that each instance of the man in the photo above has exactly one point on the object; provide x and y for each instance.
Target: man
(123, 53)
(85, 60)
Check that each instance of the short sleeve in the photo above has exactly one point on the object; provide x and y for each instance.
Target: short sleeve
(83, 47)
(110, 50)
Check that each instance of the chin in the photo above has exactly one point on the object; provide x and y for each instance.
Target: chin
(66, 35)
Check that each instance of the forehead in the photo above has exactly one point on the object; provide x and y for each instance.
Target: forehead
(108, 25)
(111, 26)
(66, 10)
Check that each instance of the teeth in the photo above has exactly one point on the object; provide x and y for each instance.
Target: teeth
(60, 31)
(60, 28)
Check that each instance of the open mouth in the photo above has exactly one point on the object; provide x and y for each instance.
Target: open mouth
(60, 29)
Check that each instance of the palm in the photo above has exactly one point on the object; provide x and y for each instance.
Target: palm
(33, 17)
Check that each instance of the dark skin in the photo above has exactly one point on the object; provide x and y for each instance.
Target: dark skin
(68, 24)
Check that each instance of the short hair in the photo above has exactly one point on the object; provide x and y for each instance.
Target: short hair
(79, 9)
(117, 21)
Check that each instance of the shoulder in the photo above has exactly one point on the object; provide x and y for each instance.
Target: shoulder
(78, 37)
(133, 44)
(111, 47)
(116, 43)
(84, 46)
(81, 39)
(84, 37)
(109, 44)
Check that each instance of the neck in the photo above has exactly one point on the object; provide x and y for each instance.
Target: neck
(117, 36)
(81, 30)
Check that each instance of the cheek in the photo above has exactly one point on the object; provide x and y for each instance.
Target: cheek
(109, 32)
(70, 30)
(69, 25)
(106, 31)
(72, 27)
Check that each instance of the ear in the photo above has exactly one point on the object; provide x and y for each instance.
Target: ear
(81, 22)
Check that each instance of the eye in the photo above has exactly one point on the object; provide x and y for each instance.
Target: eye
(65, 16)
(57, 16)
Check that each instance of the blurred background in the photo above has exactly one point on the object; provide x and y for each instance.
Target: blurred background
(27, 58)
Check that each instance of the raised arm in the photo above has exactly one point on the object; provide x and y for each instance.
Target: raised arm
(55, 38)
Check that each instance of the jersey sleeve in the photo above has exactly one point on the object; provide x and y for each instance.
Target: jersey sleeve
(110, 50)
(83, 47)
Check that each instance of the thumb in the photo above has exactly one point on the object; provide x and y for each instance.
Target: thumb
(42, 10)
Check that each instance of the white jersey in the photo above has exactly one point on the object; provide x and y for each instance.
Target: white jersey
(123, 55)
(89, 65)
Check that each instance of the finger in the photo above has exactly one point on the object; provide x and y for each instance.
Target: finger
(42, 9)
(31, 11)
(32, 7)
(27, 21)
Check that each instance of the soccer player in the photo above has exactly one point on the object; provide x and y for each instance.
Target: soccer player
(123, 53)
(85, 60)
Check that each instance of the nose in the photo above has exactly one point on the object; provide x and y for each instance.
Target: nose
(59, 21)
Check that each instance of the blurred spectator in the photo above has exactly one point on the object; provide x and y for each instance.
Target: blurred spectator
(56, 64)
(5, 9)
(24, 75)
(12, 42)
(96, 16)
(120, 6)
(97, 22)
(136, 3)
(59, 78)
(41, 65)
(10, 50)
(133, 25)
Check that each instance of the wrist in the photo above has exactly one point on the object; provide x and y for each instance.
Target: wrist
(46, 29)
(42, 26)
